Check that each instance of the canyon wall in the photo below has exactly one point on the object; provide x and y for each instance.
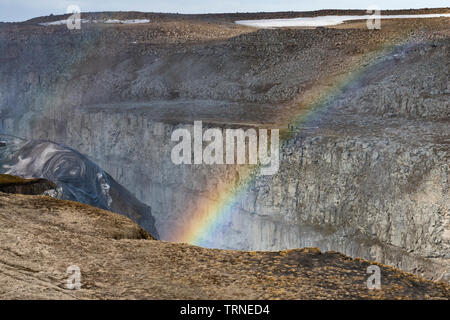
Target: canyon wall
(367, 174)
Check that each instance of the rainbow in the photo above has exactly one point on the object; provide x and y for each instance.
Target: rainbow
(212, 210)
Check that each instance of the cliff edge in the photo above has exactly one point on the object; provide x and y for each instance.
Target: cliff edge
(42, 238)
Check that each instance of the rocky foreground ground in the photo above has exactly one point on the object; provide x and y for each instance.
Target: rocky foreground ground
(41, 237)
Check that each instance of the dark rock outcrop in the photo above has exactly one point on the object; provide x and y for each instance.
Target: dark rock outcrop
(13, 184)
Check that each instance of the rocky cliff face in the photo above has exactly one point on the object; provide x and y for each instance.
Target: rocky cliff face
(366, 174)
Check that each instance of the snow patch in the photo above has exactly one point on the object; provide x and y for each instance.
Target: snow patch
(109, 21)
(324, 21)
(133, 21)
(63, 22)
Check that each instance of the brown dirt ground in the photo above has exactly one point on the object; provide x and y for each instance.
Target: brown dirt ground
(41, 237)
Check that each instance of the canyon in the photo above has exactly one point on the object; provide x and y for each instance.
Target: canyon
(363, 118)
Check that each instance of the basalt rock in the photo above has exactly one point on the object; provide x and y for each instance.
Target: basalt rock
(13, 184)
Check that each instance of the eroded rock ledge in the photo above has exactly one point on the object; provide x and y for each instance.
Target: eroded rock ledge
(13, 184)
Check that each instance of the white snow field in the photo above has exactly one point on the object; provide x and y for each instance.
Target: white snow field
(62, 22)
(323, 21)
(109, 21)
(133, 21)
